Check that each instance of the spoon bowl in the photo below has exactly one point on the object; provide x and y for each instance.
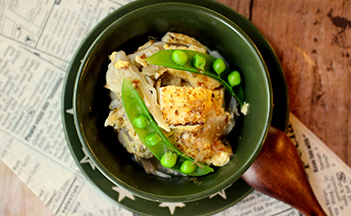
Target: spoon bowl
(278, 172)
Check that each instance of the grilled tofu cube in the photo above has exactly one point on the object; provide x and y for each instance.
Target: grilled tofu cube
(185, 105)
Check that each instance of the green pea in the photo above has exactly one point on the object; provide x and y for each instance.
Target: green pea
(199, 62)
(169, 159)
(234, 78)
(188, 167)
(153, 139)
(152, 135)
(179, 57)
(219, 66)
(140, 121)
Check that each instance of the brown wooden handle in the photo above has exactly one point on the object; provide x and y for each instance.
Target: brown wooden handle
(278, 172)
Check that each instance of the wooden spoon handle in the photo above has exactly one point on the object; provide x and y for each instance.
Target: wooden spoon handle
(278, 172)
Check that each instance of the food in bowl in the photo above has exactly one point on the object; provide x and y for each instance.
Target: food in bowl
(170, 107)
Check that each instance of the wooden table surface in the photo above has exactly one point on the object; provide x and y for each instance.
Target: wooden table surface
(313, 42)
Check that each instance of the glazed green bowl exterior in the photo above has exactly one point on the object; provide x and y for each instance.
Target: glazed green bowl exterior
(91, 99)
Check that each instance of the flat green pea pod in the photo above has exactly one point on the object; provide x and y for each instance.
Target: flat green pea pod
(164, 58)
(152, 136)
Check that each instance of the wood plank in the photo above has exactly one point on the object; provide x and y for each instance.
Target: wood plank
(313, 42)
(16, 198)
(243, 7)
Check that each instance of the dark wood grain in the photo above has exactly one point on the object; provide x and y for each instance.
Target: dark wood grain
(288, 184)
(313, 42)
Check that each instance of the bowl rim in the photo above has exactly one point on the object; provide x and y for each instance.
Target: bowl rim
(202, 194)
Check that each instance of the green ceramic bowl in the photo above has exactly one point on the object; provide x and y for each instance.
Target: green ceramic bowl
(91, 100)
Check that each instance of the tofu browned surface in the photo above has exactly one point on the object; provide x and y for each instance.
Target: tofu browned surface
(199, 119)
(185, 105)
(188, 107)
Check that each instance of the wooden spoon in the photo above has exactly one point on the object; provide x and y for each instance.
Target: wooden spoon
(278, 172)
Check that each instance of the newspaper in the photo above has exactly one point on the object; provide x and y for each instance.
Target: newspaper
(37, 41)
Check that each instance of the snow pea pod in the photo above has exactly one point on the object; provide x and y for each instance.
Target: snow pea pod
(164, 58)
(150, 134)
